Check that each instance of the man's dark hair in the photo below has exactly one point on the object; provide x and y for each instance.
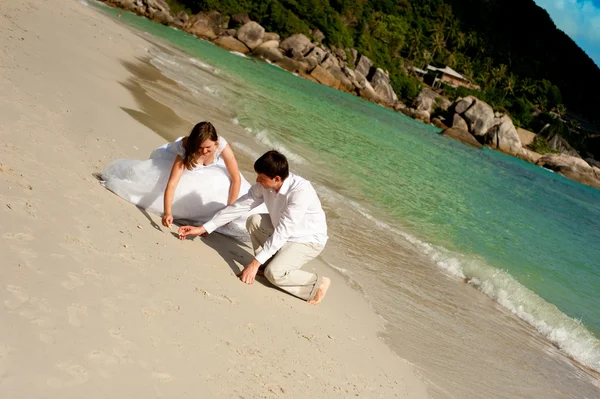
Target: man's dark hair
(272, 163)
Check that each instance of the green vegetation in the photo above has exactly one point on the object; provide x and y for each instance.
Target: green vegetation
(510, 48)
(540, 145)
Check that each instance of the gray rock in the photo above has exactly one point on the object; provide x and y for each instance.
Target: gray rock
(459, 123)
(231, 44)
(381, 84)
(426, 100)
(463, 105)
(345, 83)
(480, 117)
(204, 24)
(268, 53)
(364, 65)
(239, 20)
(421, 115)
(270, 44)
(296, 46)
(288, 64)
(251, 34)
(268, 36)
(323, 76)
(353, 56)
(558, 143)
(571, 167)
(318, 35)
(437, 122)
(463, 136)
(503, 136)
(311, 61)
(318, 53)
(330, 61)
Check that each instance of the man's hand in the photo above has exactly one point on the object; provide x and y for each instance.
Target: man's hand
(249, 273)
(191, 231)
(167, 220)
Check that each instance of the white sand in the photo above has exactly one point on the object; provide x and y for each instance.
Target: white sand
(95, 301)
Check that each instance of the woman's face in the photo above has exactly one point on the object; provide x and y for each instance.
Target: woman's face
(207, 147)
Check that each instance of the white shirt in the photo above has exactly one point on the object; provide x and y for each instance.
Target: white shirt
(295, 212)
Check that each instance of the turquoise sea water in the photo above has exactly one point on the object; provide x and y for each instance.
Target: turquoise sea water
(526, 237)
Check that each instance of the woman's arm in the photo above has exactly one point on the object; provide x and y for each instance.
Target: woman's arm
(174, 178)
(234, 173)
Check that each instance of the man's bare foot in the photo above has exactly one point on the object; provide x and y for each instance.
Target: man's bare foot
(325, 283)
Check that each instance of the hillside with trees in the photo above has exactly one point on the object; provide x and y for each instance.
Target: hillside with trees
(511, 49)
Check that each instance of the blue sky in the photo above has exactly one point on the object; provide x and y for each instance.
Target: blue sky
(580, 19)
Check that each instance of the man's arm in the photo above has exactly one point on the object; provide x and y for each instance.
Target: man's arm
(239, 208)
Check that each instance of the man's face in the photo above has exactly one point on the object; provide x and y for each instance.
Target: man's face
(267, 182)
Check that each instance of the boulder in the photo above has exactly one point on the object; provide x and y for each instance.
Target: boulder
(296, 46)
(353, 56)
(503, 136)
(268, 36)
(228, 32)
(231, 44)
(182, 16)
(330, 61)
(571, 167)
(381, 84)
(529, 155)
(158, 11)
(205, 24)
(463, 104)
(558, 143)
(251, 34)
(463, 136)
(437, 122)
(399, 106)
(288, 64)
(459, 122)
(318, 53)
(239, 20)
(364, 65)
(311, 61)
(272, 54)
(426, 100)
(340, 53)
(323, 76)
(345, 83)
(420, 115)
(480, 117)
(443, 103)
(318, 35)
(270, 44)
(366, 91)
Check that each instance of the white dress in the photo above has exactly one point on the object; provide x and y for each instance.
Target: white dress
(200, 194)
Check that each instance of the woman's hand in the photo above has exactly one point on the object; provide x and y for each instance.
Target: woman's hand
(167, 220)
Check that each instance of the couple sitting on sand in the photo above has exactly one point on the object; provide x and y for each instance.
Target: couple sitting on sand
(196, 179)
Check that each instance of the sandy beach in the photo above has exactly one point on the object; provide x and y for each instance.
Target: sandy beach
(97, 299)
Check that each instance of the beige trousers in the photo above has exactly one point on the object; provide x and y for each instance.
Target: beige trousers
(283, 269)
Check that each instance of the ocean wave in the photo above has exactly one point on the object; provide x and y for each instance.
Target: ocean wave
(246, 150)
(263, 137)
(568, 334)
(235, 121)
(239, 54)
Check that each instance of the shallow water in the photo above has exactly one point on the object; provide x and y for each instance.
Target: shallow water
(484, 266)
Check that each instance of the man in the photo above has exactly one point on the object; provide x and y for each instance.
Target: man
(290, 235)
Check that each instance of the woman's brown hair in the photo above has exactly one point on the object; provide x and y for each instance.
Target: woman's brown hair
(200, 133)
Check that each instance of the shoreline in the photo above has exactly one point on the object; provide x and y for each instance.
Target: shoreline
(100, 300)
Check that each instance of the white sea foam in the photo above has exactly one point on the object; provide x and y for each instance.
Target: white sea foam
(239, 54)
(263, 137)
(235, 121)
(246, 150)
(568, 334)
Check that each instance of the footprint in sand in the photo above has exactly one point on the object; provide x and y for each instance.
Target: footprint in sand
(77, 375)
(18, 236)
(103, 358)
(162, 377)
(74, 281)
(75, 311)
(18, 299)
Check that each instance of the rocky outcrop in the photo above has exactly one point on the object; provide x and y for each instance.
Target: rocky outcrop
(571, 167)
(232, 44)
(480, 117)
(296, 46)
(364, 65)
(268, 36)
(239, 20)
(426, 100)
(318, 53)
(381, 84)
(462, 105)
(463, 136)
(206, 25)
(323, 76)
(459, 123)
(503, 136)
(251, 34)
(558, 143)
(269, 51)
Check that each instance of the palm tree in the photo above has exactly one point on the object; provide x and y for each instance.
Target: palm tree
(438, 44)
(461, 40)
(509, 87)
(414, 41)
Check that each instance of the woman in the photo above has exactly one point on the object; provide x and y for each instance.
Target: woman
(189, 179)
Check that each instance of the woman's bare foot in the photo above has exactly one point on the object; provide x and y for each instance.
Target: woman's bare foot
(325, 283)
